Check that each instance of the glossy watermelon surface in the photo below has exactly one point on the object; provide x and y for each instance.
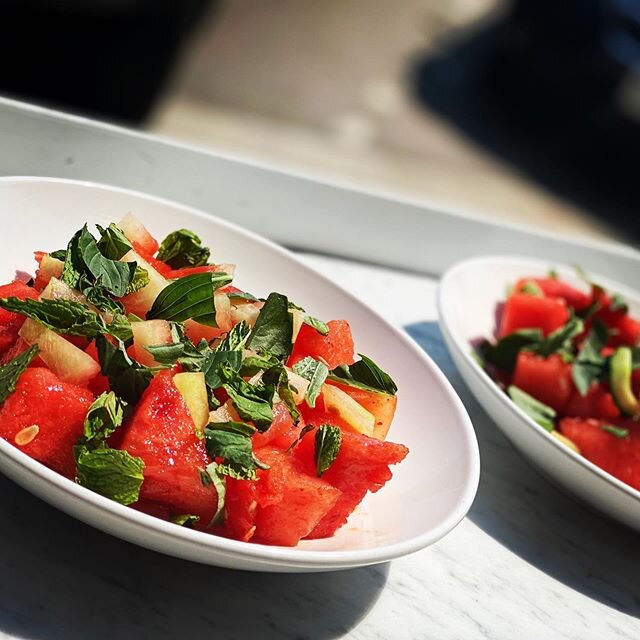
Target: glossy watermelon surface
(162, 433)
(57, 408)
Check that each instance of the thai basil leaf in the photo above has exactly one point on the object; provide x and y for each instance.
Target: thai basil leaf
(60, 254)
(183, 248)
(190, 297)
(536, 410)
(316, 373)
(212, 475)
(113, 244)
(10, 373)
(366, 373)
(242, 295)
(590, 365)
(113, 473)
(273, 329)
(328, 440)
(253, 364)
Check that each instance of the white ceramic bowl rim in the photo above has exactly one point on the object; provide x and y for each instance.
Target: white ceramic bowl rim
(269, 554)
(485, 378)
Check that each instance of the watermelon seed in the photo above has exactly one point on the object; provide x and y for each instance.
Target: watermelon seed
(26, 435)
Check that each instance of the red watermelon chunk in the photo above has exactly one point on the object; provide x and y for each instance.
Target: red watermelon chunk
(523, 311)
(282, 433)
(241, 502)
(10, 322)
(291, 503)
(361, 465)
(334, 349)
(162, 433)
(619, 456)
(58, 408)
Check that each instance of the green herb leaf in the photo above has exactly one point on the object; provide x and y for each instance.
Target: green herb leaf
(253, 364)
(113, 275)
(531, 288)
(62, 316)
(321, 327)
(113, 473)
(10, 373)
(189, 297)
(590, 365)
(277, 377)
(316, 373)
(618, 303)
(139, 281)
(560, 339)
(251, 404)
(60, 254)
(365, 373)
(185, 520)
(504, 354)
(105, 415)
(219, 481)
(113, 244)
(99, 297)
(536, 410)
(327, 446)
(183, 248)
(127, 378)
(618, 432)
(635, 358)
(235, 450)
(242, 295)
(273, 329)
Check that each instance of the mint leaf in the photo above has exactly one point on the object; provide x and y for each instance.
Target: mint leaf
(316, 373)
(273, 329)
(328, 440)
(10, 373)
(139, 281)
(112, 473)
(185, 520)
(365, 373)
(234, 447)
(536, 410)
(105, 415)
(127, 378)
(100, 298)
(189, 297)
(302, 434)
(504, 354)
(113, 244)
(183, 248)
(589, 364)
(253, 364)
(182, 351)
(252, 402)
(62, 316)
(531, 288)
(618, 432)
(321, 327)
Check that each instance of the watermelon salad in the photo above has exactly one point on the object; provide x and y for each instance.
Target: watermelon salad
(570, 359)
(137, 370)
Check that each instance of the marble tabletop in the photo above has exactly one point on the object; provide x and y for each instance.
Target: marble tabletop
(528, 562)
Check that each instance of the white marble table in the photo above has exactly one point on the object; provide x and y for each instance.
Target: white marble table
(527, 563)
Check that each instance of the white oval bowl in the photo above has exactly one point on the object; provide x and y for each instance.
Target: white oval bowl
(468, 296)
(431, 491)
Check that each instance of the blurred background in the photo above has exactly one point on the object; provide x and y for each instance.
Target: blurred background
(524, 110)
